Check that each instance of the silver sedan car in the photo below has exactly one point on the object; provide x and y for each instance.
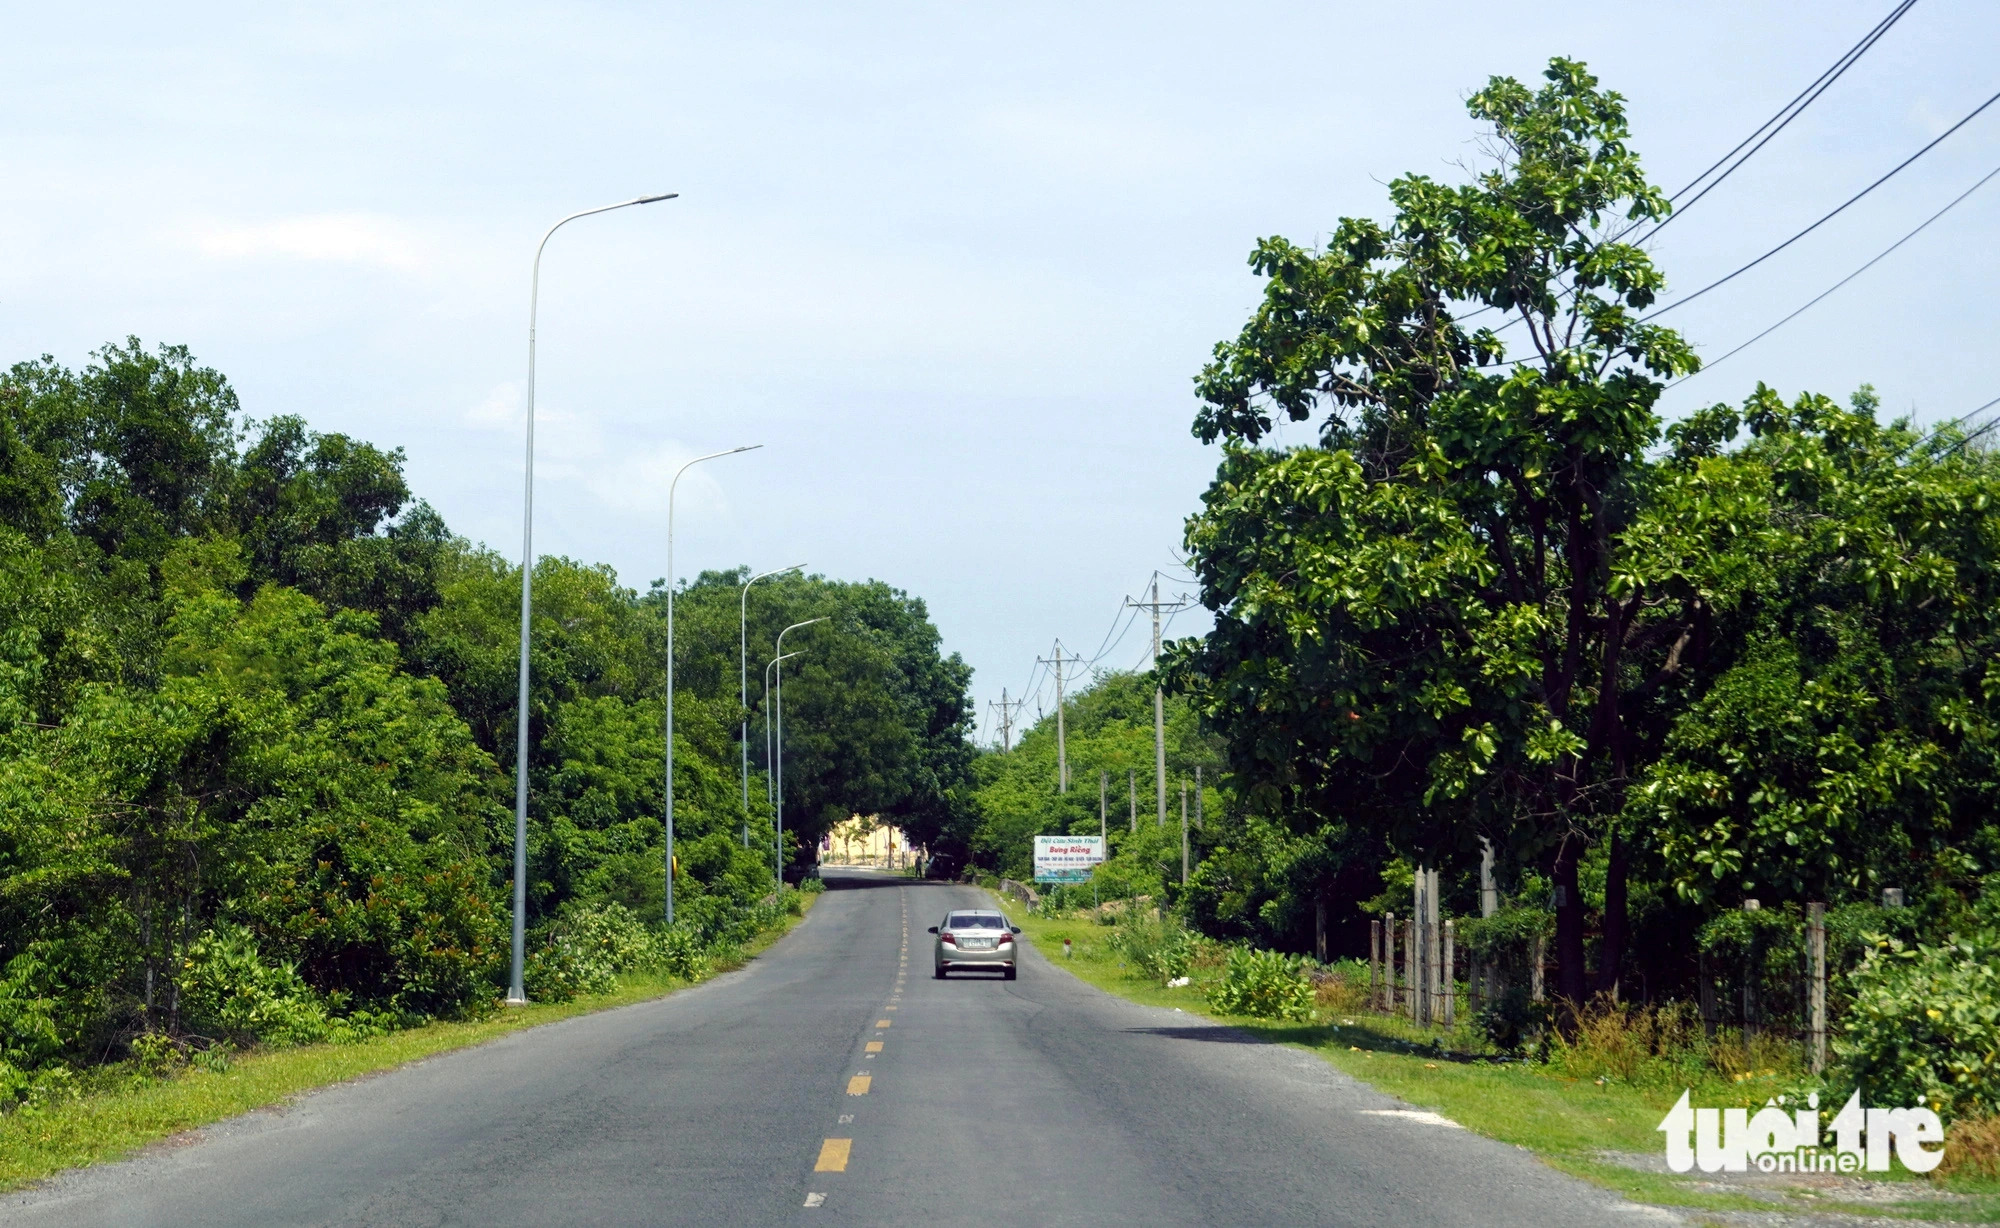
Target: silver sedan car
(972, 939)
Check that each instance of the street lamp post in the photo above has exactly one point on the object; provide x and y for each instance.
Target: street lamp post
(743, 683)
(671, 488)
(779, 784)
(516, 992)
(770, 798)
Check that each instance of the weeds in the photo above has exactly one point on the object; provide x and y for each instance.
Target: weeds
(1972, 1149)
(1263, 984)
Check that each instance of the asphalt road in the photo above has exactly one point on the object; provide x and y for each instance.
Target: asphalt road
(1036, 1101)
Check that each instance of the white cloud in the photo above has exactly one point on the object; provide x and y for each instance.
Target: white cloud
(501, 410)
(571, 451)
(340, 238)
(636, 482)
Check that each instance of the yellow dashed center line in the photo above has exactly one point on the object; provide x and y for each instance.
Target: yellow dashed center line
(833, 1155)
(881, 1023)
(858, 1085)
(874, 1046)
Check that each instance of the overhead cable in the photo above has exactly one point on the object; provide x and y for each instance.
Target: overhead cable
(1836, 212)
(1785, 115)
(1850, 277)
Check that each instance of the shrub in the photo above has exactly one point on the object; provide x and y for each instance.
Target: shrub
(229, 991)
(683, 954)
(1157, 947)
(1513, 1021)
(1341, 988)
(1265, 984)
(30, 1040)
(1660, 1046)
(584, 949)
(1925, 1025)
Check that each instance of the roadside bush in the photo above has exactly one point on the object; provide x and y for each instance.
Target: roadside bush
(30, 1039)
(229, 991)
(583, 950)
(1513, 1021)
(1634, 1044)
(1156, 947)
(683, 954)
(1341, 988)
(1924, 1025)
(1266, 984)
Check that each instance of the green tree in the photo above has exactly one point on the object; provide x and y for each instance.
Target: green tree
(876, 715)
(1837, 731)
(1426, 624)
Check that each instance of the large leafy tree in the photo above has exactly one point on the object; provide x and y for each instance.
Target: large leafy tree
(1837, 733)
(1427, 622)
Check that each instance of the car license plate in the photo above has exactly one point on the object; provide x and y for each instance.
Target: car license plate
(979, 944)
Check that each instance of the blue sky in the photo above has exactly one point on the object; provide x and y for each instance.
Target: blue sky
(954, 265)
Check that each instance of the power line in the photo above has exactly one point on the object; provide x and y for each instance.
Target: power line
(1850, 277)
(1942, 427)
(1784, 116)
(1842, 207)
(1972, 435)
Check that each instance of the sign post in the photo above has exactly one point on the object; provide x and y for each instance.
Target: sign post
(1068, 859)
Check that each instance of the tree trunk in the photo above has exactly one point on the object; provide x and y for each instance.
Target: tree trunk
(1611, 959)
(1570, 981)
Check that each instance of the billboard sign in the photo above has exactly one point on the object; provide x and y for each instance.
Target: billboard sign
(1067, 859)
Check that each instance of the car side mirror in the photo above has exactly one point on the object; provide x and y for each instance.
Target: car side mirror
(932, 930)
(1015, 928)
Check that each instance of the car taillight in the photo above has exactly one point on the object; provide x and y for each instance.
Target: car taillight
(1006, 938)
(945, 936)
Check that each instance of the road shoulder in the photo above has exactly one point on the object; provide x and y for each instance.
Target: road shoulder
(117, 1123)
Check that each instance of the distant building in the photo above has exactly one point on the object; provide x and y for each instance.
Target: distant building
(864, 840)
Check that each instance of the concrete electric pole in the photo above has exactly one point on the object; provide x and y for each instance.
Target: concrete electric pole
(1062, 755)
(1006, 718)
(1103, 805)
(1159, 700)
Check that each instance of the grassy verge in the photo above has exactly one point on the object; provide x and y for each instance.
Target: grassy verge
(1567, 1123)
(113, 1121)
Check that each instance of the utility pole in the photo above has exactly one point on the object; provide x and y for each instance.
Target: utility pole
(1184, 839)
(1159, 700)
(1006, 718)
(1132, 787)
(1062, 754)
(1103, 805)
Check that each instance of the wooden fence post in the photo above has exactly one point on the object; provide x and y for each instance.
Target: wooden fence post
(1450, 981)
(1374, 964)
(1420, 980)
(1388, 1002)
(1412, 957)
(1816, 955)
(1750, 969)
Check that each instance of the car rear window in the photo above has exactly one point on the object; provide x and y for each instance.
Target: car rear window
(976, 921)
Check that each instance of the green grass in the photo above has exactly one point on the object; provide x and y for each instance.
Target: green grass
(128, 1111)
(1566, 1122)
